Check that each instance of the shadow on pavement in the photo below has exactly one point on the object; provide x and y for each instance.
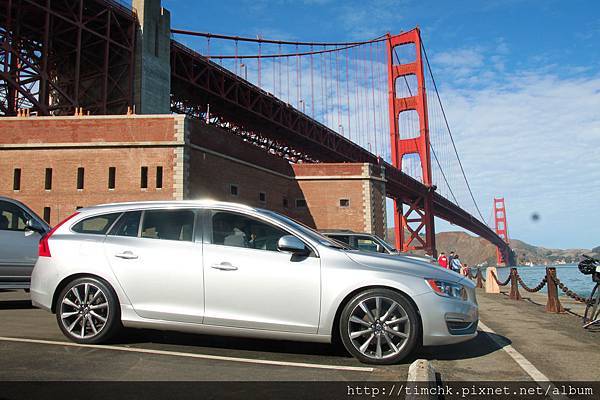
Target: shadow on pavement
(480, 346)
(15, 304)
(132, 336)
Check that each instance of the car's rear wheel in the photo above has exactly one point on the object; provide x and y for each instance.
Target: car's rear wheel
(87, 311)
(379, 326)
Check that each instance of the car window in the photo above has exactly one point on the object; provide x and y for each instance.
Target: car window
(365, 243)
(341, 238)
(128, 224)
(168, 225)
(12, 217)
(96, 225)
(236, 230)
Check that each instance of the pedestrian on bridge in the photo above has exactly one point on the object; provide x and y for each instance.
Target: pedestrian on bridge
(443, 260)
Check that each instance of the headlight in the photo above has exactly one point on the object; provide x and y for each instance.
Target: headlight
(448, 289)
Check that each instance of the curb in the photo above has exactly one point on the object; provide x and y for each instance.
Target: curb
(421, 378)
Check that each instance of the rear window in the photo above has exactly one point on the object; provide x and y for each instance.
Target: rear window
(96, 225)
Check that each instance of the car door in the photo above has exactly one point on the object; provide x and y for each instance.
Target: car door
(250, 284)
(19, 246)
(158, 263)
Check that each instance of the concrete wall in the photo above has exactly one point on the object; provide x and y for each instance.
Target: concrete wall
(152, 86)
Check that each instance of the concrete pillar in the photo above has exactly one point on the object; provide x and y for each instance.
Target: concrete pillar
(490, 283)
(152, 86)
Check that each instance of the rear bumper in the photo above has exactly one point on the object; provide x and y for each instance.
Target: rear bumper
(44, 280)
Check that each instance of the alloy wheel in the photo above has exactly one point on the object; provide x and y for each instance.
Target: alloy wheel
(379, 327)
(84, 310)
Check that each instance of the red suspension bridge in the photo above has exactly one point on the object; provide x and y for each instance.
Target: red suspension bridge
(373, 101)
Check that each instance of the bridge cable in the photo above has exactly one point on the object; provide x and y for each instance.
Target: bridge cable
(450, 133)
(262, 40)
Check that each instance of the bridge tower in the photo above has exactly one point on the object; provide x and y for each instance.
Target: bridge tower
(501, 228)
(413, 216)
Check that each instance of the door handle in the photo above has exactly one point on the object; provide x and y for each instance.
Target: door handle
(127, 255)
(224, 266)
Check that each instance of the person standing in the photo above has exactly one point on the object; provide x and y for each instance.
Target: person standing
(443, 260)
(450, 258)
(465, 270)
(455, 264)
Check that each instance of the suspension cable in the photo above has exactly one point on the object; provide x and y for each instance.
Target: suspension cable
(256, 40)
(450, 133)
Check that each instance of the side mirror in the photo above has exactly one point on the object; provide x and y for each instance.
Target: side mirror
(34, 225)
(292, 244)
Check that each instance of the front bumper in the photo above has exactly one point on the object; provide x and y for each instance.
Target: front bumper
(446, 320)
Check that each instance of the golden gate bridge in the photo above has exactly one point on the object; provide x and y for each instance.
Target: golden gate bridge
(375, 100)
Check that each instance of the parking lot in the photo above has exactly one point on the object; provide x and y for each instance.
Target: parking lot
(33, 348)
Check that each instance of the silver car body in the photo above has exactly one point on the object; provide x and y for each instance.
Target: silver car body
(202, 287)
(18, 245)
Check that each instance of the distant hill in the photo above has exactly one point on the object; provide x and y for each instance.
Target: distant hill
(475, 250)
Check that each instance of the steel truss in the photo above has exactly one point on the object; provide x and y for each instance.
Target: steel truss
(57, 55)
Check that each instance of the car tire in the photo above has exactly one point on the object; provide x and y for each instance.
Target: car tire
(88, 311)
(379, 326)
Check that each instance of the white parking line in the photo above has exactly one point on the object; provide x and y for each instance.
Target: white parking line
(524, 363)
(190, 355)
(542, 380)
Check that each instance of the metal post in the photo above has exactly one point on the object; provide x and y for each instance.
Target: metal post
(78, 55)
(553, 304)
(105, 64)
(514, 285)
(479, 279)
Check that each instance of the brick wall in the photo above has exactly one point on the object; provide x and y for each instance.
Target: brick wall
(94, 143)
(198, 161)
(95, 129)
(344, 196)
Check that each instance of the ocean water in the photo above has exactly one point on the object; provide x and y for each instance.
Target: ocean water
(568, 274)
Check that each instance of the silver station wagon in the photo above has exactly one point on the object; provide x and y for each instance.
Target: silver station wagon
(229, 269)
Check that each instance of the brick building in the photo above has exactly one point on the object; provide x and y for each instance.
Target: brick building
(57, 164)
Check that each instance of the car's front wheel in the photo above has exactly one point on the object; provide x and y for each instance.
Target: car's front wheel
(87, 311)
(379, 326)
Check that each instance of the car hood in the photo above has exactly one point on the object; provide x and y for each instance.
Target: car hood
(405, 265)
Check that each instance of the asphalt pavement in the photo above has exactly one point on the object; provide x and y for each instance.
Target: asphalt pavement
(33, 348)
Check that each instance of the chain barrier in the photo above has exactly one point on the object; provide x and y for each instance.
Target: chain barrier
(531, 290)
(498, 282)
(571, 293)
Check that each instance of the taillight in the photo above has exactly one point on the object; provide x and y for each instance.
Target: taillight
(43, 247)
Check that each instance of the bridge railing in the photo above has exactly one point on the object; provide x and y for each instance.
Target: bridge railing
(514, 281)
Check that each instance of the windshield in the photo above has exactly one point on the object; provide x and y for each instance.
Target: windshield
(387, 246)
(310, 232)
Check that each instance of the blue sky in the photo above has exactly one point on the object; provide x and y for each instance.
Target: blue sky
(520, 81)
